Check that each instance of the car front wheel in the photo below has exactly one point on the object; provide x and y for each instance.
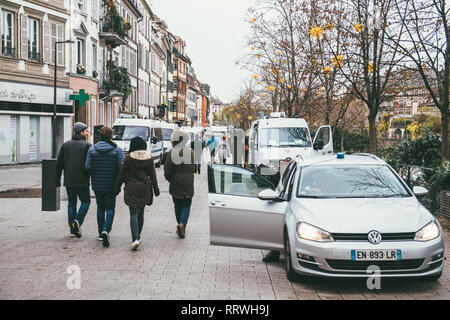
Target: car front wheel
(290, 273)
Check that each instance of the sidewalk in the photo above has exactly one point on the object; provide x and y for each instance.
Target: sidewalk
(20, 177)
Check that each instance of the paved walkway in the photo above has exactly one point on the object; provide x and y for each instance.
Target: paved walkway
(36, 252)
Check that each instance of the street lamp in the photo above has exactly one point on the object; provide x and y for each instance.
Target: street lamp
(54, 151)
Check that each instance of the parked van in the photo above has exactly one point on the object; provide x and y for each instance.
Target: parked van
(276, 138)
(149, 130)
(167, 131)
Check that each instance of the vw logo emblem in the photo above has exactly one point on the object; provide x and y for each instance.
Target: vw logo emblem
(374, 237)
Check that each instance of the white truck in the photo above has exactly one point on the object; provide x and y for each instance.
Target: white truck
(274, 139)
(149, 130)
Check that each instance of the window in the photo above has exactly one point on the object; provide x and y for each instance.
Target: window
(80, 51)
(57, 35)
(93, 114)
(285, 138)
(236, 181)
(80, 5)
(94, 9)
(94, 57)
(350, 181)
(8, 33)
(101, 114)
(33, 39)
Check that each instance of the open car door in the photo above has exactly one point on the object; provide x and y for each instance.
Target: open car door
(238, 218)
(323, 142)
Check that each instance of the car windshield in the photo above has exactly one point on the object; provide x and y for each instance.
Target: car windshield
(285, 138)
(126, 133)
(349, 181)
(167, 134)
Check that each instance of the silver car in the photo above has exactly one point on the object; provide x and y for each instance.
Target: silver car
(332, 217)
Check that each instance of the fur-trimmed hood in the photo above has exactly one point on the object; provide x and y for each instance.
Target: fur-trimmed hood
(140, 155)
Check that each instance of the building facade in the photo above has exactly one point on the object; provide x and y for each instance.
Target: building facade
(29, 30)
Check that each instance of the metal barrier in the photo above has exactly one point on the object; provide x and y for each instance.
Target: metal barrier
(437, 201)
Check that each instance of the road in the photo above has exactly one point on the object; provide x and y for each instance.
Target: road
(38, 259)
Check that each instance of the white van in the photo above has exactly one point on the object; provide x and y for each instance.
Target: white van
(167, 131)
(149, 130)
(276, 138)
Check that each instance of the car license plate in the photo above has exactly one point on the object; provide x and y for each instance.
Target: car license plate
(376, 255)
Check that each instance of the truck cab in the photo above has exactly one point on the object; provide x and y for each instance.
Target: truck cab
(149, 130)
(277, 138)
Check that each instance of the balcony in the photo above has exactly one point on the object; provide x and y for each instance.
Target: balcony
(9, 52)
(34, 56)
(113, 34)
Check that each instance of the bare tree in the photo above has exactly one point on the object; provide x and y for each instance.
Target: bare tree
(425, 43)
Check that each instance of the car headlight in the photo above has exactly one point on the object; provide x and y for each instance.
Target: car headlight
(309, 232)
(427, 233)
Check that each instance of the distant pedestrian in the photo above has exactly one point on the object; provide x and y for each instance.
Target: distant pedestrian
(139, 175)
(71, 159)
(103, 162)
(198, 145)
(179, 171)
(212, 144)
(223, 150)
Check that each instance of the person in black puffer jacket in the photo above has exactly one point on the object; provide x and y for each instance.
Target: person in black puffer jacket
(71, 160)
(139, 175)
(103, 162)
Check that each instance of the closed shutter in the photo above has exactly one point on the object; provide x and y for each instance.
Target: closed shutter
(60, 48)
(47, 47)
(24, 37)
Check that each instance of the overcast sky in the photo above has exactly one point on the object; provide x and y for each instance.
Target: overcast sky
(214, 31)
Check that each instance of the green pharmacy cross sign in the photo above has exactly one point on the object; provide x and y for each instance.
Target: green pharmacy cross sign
(81, 98)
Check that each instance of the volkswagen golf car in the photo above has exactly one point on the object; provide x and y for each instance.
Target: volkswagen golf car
(332, 216)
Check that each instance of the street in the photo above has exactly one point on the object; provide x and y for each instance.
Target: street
(37, 259)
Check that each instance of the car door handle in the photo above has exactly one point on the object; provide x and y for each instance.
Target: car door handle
(218, 204)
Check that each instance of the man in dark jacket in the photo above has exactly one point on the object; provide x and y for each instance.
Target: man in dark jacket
(197, 145)
(179, 170)
(103, 162)
(71, 159)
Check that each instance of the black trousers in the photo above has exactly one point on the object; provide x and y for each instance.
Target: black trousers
(136, 222)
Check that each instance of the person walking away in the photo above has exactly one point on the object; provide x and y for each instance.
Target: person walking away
(212, 144)
(139, 175)
(71, 159)
(179, 172)
(197, 145)
(103, 162)
(223, 150)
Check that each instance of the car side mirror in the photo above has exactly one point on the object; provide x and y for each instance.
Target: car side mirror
(420, 191)
(268, 195)
(318, 144)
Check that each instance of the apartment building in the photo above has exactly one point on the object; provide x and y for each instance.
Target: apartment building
(181, 62)
(29, 30)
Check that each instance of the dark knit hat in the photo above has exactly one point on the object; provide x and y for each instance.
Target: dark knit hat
(138, 144)
(79, 127)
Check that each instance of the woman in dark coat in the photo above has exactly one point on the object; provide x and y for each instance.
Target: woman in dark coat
(138, 174)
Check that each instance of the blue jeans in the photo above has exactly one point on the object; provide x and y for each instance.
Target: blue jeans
(182, 209)
(106, 202)
(73, 194)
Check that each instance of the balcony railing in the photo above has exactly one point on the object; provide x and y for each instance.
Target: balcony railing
(34, 56)
(8, 51)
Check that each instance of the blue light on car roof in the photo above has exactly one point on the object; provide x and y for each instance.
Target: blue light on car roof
(341, 155)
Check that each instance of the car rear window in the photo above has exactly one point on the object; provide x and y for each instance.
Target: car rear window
(350, 181)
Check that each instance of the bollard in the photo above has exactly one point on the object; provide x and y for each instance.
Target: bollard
(50, 193)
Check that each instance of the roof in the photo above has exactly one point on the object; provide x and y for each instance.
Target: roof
(138, 122)
(332, 160)
(282, 123)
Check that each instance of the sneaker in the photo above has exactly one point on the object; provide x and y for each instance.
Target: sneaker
(76, 228)
(179, 233)
(105, 238)
(135, 245)
(72, 235)
(100, 238)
